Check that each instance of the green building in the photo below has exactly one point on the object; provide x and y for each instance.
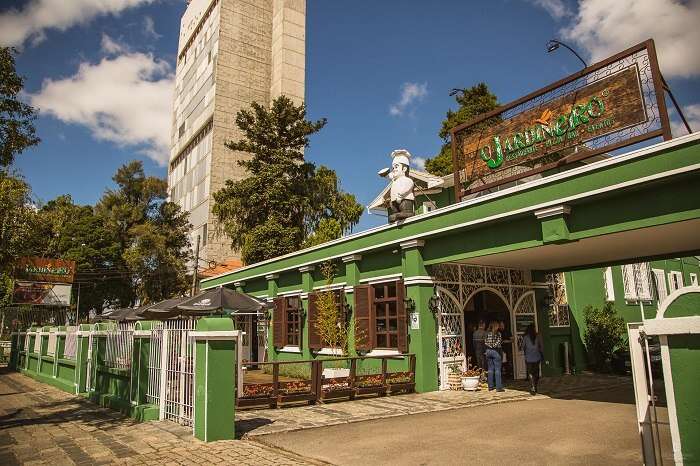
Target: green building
(539, 250)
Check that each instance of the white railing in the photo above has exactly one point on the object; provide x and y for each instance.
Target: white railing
(154, 366)
(71, 344)
(120, 346)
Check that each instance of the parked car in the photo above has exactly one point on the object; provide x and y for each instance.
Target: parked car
(622, 362)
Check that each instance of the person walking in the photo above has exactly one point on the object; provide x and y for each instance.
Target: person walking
(532, 347)
(493, 357)
(479, 347)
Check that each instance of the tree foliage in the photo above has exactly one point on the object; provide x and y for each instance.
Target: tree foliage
(16, 118)
(604, 334)
(330, 323)
(285, 203)
(473, 101)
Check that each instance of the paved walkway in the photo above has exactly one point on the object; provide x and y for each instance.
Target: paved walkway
(41, 425)
(252, 423)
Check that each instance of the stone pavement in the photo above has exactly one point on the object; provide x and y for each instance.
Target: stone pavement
(252, 423)
(41, 425)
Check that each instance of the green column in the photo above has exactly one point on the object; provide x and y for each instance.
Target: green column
(419, 288)
(139, 362)
(215, 360)
(307, 286)
(352, 278)
(271, 293)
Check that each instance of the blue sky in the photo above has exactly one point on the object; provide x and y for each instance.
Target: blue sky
(379, 71)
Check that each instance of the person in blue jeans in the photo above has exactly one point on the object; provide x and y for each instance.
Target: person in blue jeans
(494, 360)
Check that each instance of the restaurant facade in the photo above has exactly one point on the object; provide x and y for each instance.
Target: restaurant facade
(552, 207)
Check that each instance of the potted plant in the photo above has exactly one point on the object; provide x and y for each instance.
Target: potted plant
(454, 377)
(470, 377)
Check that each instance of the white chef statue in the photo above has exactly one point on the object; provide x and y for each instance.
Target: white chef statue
(401, 204)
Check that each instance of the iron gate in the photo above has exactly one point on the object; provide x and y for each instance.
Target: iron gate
(171, 370)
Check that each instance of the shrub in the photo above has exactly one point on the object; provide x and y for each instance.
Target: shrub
(604, 334)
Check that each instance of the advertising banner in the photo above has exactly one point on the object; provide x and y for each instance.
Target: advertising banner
(38, 269)
(609, 105)
(55, 294)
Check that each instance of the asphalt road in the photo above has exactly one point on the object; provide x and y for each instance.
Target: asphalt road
(600, 429)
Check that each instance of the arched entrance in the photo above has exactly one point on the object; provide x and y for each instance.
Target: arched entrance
(489, 292)
(488, 305)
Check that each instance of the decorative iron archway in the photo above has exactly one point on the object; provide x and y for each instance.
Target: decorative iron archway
(455, 285)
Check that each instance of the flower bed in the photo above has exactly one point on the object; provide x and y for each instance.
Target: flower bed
(257, 390)
(399, 377)
(299, 386)
(367, 381)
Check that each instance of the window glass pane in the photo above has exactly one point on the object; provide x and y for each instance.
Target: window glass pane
(394, 341)
(391, 290)
(381, 341)
(392, 308)
(393, 325)
(379, 292)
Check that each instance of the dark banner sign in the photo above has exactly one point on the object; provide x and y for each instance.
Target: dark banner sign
(56, 294)
(606, 106)
(38, 269)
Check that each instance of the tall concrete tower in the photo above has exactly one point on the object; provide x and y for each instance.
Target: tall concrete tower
(231, 53)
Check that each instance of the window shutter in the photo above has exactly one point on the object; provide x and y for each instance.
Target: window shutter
(364, 325)
(645, 285)
(609, 288)
(660, 278)
(279, 337)
(402, 318)
(628, 279)
(311, 318)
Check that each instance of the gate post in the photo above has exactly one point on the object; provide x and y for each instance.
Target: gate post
(215, 360)
(81, 357)
(139, 362)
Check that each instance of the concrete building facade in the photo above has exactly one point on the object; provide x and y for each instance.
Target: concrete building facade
(231, 53)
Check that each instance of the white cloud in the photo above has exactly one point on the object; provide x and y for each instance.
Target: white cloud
(692, 115)
(149, 28)
(16, 26)
(111, 46)
(419, 162)
(605, 27)
(124, 99)
(410, 94)
(557, 9)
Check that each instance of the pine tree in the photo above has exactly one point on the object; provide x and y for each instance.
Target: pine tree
(285, 203)
(473, 101)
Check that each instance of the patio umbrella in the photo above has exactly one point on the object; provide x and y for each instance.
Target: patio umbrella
(116, 314)
(222, 300)
(161, 310)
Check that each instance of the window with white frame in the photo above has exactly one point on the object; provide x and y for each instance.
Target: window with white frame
(660, 282)
(675, 280)
(428, 206)
(694, 279)
(608, 282)
(637, 281)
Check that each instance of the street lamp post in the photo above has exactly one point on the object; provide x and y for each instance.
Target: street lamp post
(554, 44)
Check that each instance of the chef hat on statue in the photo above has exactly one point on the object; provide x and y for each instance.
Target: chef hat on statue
(401, 156)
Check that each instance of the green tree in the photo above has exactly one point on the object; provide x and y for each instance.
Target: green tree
(18, 221)
(151, 235)
(604, 334)
(473, 101)
(285, 201)
(16, 118)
